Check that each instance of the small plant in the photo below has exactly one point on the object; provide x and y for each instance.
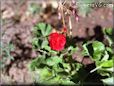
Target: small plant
(5, 54)
(54, 63)
(102, 55)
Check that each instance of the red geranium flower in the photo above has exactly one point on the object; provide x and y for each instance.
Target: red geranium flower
(57, 41)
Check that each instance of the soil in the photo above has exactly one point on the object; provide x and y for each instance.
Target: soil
(17, 24)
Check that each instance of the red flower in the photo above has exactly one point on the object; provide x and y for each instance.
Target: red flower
(57, 41)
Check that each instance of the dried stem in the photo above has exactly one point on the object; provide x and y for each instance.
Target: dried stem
(62, 11)
(70, 26)
(63, 18)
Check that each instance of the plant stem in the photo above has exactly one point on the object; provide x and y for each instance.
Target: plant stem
(63, 18)
(39, 50)
(70, 26)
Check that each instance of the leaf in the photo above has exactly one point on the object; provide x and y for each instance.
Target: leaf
(57, 68)
(109, 81)
(109, 50)
(110, 69)
(45, 29)
(55, 80)
(108, 31)
(11, 47)
(35, 43)
(47, 48)
(103, 65)
(50, 50)
(35, 64)
(6, 54)
(67, 82)
(94, 49)
(42, 27)
(104, 73)
(104, 68)
(39, 43)
(108, 63)
(72, 49)
(107, 69)
(43, 75)
(98, 48)
(106, 56)
(44, 43)
(110, 41)
(54, 60)
(48, 30)
(36, 31)
(109, 35)
(85, 51)
(53, 52)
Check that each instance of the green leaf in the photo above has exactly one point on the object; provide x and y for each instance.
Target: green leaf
(94, 49)
(85, 51)
(11, 47)
(55, 80)
(105, 57)
(109, 50)
(109, 35)
(103, 65)
(108, 31)
(45, 29)
(110, 69)
(67, 82)
(47, 48)
(108, 63)
(104, 72)
(42, 27)
(35, 64)
(72, 49)
(36, 31)
(6, 53)
(57, 68)
(98, 48)
(53, 60)
(110, 41)
(39, 43)
(67, 67)
(53, 52)
(48, 30)
(44, 43)
(35, 43)
(109, 81)
(44, 75)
